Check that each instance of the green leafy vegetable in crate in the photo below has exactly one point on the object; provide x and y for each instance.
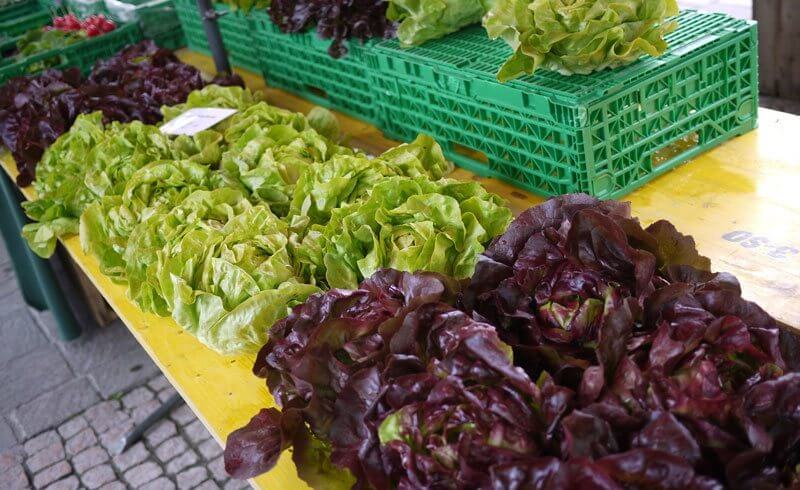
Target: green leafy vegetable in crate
(578, 36)
(423, 20)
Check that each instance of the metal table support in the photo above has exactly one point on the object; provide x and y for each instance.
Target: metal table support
(210, 16)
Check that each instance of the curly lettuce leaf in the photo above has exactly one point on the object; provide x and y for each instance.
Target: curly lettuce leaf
(143, 255)
(89, 162)
(578, 36)
(214, 96)
(406, 224)
(423, 20)
(347, 178)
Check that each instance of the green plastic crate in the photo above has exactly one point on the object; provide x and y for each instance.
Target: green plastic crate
(604, 134)
(300, 63)
(20, 25)
(82, 54)
(171, 40)
(14, 9)
(234, 27)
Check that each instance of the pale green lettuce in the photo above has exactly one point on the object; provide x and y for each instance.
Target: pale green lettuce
(144, 251)
(85, 164)
(227, 285)
(578, 36)
(214, 96)
(346, 178)
(423, 20)
(105, 225)
(405, 223)
(325, 123)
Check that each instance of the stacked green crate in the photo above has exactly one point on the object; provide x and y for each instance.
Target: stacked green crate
(605, 134)
(234, 27)
(82, 54)
(300, 63)
(18, 17)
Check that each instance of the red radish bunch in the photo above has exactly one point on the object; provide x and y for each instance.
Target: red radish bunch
(93, 25)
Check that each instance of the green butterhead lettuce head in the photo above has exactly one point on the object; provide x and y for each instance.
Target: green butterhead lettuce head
(578, 36)
(423, 20)
(84, 165)
(153, 189)
(214, 96)
(144, 252)
(227, 285)
(407, 224)
(346, 178)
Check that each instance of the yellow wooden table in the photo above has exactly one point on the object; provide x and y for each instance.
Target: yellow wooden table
(741, 201)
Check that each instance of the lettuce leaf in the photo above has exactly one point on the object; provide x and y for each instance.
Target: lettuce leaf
(408, 224)
(214, 96)
(578, 36)
(423, 20)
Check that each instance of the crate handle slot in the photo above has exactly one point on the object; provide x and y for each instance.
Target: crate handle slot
(317, 91)
(470, 153)
(672, 149)
(512, 98)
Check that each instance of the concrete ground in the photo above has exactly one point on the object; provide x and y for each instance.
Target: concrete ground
(64, 404)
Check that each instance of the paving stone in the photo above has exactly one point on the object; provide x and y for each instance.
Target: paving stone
(114, 485)
(196, 432)
(7, 437)
(89, 459)
(191, 477)
(143, 473)
(18, 334)
(56, 406)
(182, 414)
(166, 394)
(43, 440)
(111, 440)
(9, 459)
(158, 383)
(130, 369)
(160, 432)
(72, 426)
(12, 473)
(46, 456)
(106, 415)
(98, 476)
(217, 469)
(133, 456)
(207, 485)
(69, 483)
(170, 448)
(140, 413)
(80, 441)
(100, 347)
(137, 398)
(51, 474)
(183, 461)
(34, 373)
(210, 449)
(161, 483)
(236, 484)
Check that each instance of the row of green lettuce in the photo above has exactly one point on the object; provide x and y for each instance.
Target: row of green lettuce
(228, 229)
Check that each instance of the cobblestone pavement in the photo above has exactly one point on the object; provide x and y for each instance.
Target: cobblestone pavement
(63, 405)
(177, 452)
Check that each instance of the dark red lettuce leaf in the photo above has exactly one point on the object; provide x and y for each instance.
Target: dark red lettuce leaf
(338, 20)
(131, 85)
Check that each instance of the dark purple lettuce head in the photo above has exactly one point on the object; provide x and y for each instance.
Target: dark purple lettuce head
(447, 408)
(321, 349)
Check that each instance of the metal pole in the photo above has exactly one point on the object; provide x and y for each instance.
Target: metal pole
(209, 16)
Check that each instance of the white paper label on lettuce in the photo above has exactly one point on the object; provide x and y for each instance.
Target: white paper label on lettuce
(195, 120)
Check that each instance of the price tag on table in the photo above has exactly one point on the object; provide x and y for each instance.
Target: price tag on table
(195, 120)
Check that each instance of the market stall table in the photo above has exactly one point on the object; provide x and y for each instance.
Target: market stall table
(739, 201)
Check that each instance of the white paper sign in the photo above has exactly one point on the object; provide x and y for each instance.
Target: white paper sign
(195, 120)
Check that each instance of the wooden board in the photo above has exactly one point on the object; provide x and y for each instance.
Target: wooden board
(747, 186)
